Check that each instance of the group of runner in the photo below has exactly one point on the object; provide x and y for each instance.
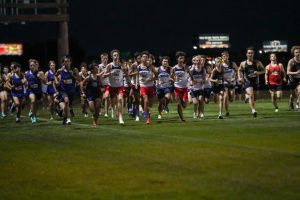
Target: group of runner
(135, 82)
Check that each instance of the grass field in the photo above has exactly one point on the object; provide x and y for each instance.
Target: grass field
(239, 157)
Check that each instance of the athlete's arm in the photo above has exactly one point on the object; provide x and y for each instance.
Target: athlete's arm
(42, 77)
(137, 80)
(8, 84)
(283, 72)
(240, 71)
(260, 68)
(107, 71)
(235, 67)
(212, 75)
(126, 74)
(82, 83)
(58, 72)
(76, 74)
(289, 68)
(46, 77)
(267, 75)
(154, 72)
(190, 73)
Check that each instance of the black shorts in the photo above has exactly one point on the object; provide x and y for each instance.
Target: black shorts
(69, 95)
(275, 88)
(207, 93)
(58, 98)
(229, 86)
(126, 91)
(93, 97)
(161, 92)
(293, 84)
(254, 85)
(238, 89)
(218, 88)
(196, 93)
(38, 96)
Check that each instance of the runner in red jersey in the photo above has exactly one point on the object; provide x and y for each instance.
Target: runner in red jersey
(273, 77)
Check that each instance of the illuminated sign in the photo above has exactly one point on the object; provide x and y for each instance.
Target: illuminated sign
(11, 49)
(275, 46)
(218, 41)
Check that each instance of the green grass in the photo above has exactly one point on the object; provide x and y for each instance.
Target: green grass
(239, 157)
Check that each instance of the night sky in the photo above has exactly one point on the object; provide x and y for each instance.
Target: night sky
(166, 26)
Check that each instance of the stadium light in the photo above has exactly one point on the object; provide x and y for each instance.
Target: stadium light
(195, 47)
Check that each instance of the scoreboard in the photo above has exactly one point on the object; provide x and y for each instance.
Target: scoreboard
(11, 49)
(218, 41)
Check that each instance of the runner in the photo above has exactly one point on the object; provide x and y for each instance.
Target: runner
(230, 76)
(180, 74)
(145, 79)
(274, 75)
(293, 71)
(248, 74)
(217, 77)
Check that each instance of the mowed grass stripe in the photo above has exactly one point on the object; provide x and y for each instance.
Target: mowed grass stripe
(166, 160)
(196, 138)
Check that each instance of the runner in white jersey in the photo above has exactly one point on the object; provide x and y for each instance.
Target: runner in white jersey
(105, 83)
(145, 79)
(135, 90)
(180, 75)
(207, 88)
(126, 83)
(194, 61)
(163, 85)
(197, 85)
(115, 72)
(230, 76)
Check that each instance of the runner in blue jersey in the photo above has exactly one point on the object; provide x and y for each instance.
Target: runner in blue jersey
(16, 83)
(51, 86)
(34, 78)
(67, 77)
(91, 87)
